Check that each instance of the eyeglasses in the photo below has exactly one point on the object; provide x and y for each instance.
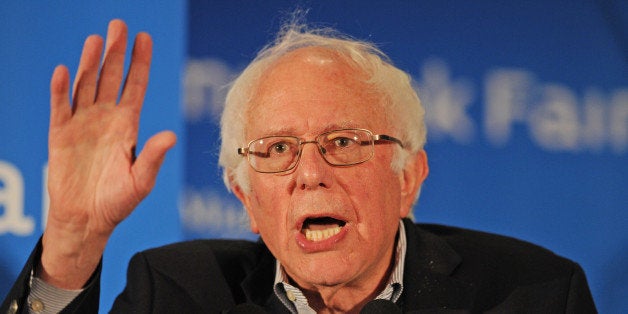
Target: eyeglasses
(346, 147)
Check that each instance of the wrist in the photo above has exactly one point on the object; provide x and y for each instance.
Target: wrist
(68, 257)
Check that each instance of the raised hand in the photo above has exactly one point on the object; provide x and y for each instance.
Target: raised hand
(95, 180)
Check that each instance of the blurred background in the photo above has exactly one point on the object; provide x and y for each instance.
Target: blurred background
(527, 113)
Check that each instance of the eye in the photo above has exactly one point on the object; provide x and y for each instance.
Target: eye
(279, 148)
(343, 142)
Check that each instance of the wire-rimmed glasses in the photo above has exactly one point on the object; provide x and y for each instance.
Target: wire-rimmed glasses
(345, 147)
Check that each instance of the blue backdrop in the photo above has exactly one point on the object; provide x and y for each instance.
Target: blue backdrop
(527, 115)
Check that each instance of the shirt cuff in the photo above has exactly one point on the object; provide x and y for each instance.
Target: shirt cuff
(45, 298)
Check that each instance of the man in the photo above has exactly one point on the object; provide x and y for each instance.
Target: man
(323, 144)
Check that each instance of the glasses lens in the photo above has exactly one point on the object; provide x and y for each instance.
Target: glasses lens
(347, 147)
(273, 154)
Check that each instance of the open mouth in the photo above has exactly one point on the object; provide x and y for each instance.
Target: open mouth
(321, 228)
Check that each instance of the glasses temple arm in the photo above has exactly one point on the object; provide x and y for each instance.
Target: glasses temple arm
(243, 151)
(384, 137)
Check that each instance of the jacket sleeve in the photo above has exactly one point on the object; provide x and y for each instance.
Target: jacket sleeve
(16, 300)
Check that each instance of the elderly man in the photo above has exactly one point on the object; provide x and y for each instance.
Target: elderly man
(322, 141)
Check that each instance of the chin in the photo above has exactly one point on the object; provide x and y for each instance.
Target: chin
(326, 272)
(327, 280)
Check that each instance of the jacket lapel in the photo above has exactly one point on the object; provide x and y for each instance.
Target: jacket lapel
(428, 286)
(258, 285)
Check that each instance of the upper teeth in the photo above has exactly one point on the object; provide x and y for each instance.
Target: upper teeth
(319, 235)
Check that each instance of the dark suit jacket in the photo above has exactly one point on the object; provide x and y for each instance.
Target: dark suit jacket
(447, 270)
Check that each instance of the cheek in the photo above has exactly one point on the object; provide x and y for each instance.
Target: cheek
(261, 187)
(268, 205)
(376, 196)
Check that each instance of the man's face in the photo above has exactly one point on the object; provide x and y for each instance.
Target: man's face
(308, 92)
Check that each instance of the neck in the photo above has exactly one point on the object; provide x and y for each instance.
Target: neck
(341, 299)
(347, 297)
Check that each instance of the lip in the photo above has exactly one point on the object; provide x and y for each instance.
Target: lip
(324, 245)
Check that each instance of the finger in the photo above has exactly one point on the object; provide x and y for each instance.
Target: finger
(60, 110)
(113, 63)
(149, 161)
(137, 78)
(84, 89)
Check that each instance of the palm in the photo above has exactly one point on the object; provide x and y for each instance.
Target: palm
(91, 167)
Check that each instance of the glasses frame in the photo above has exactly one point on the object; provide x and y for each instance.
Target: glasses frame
(374, 139)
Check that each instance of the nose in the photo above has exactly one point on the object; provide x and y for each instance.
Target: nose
(313, 171)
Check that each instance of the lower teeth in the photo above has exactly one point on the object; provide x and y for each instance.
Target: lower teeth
(319, 235)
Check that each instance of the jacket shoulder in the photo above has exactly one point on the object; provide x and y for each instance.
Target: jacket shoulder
(475, 245)
(232, 258)
(191, 276)
(224, 250)
(512, 272)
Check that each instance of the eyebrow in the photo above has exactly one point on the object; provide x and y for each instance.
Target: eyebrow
(291, 131)
(276, 132)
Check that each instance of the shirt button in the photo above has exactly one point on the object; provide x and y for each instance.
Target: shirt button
(13, 307)
(37, 306)
(291, 296)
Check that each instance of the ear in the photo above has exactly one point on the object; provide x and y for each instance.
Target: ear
(411, 178)
(245, 199)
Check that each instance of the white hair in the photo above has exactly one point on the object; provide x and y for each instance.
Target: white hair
(401, 105)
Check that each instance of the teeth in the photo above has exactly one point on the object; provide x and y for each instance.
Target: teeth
(320, 235)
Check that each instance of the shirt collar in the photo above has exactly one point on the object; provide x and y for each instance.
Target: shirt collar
(294, 299)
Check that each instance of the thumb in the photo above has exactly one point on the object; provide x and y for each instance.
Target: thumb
(149, 161)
